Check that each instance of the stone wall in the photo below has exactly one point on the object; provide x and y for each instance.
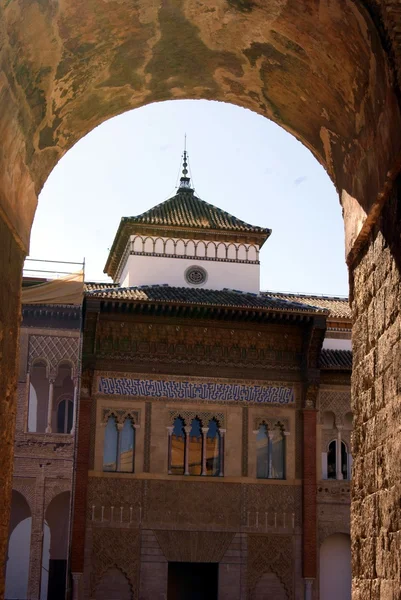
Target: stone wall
(376, 387)
(11, 258)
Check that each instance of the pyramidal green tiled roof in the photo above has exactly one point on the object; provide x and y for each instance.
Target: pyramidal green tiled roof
(182, 212)
(187, 210)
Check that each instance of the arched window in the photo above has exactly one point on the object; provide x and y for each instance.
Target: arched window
(127, 447)
(213, 449)
(195, 448)
(333, 469)
(177, 447)
(119, 446)
(262, 452)
(344, 461)
(65, 411)
(332, 460)
(270, 452)
(277, 454)
(110, 445)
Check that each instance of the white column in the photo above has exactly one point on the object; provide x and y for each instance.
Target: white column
(187, 430)
(222, 450)
(308, 588)
(170, 449)
(75, 406)
(204, 436)
(76, 584)
(339, 474)
(27, 397)
(50, 406)
(119, 429)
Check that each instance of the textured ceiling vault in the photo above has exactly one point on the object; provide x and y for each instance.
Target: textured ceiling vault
(324, 70)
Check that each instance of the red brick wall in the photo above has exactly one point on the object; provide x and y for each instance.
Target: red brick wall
(309, 509)
(81, 485)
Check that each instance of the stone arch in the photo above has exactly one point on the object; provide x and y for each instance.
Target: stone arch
(221, 250)
(269, 587)
(57, 520)
(231, 251)
(159, 245)
(38, 397)
(169, 246)
(17, 567)
(211, 250)
(113, 585)
(148, 245)
(253, 254)
(281, 74)
(264, 56)
(138, 243)
(180, 247)
(335, 558)
(200, 249)
(190, 248)
(242, 252)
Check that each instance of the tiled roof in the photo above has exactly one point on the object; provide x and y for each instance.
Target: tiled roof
(338, 307)
(200, 297)
(187, 210)
(90, 286)
(335, 359)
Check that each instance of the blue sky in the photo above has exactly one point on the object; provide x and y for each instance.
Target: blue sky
(239, 161)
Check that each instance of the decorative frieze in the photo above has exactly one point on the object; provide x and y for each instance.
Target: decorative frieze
(175, 389)
(200, 345)
(54, 350)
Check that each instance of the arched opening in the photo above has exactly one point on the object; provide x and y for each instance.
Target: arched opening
(55, 547)
(348, 116)
(110, 448)
(177, 447)
(65, 410)
(63, 399)
(269, 587)
(335, 568)
(213, 449)
(38, 397)
(19, 546)
(337, 461)
(195, 447)
(113, 585)
(126, 458)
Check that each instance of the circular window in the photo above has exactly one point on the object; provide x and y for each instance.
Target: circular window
(195, 275)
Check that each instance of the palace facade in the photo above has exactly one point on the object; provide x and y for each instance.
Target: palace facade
(213, 423)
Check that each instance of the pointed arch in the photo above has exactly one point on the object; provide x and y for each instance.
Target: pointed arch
(113, 585)
(180, 247)
(137, 243)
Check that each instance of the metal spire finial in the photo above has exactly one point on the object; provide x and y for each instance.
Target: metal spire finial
(185, 181)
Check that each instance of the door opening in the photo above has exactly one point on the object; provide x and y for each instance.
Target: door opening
(192, 581)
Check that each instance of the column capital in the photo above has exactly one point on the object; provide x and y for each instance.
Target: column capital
(170, 429)
(187, 429)
(205, 430)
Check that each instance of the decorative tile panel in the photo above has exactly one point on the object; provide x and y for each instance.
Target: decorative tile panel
(190, 390)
